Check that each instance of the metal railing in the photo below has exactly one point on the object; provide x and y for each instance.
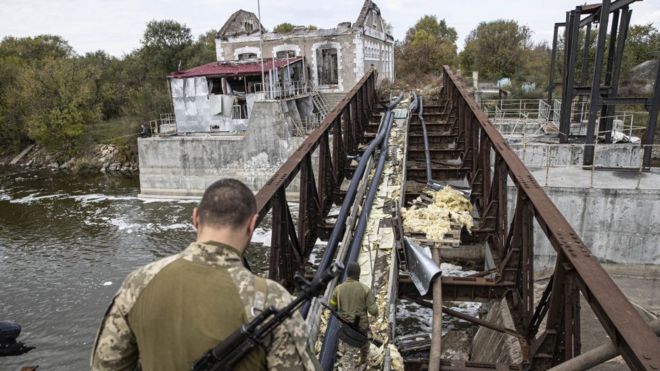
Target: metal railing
(491, 162)
(545, 160)
(239, 112)
(337, 137)
(282, 91)
(166, 124)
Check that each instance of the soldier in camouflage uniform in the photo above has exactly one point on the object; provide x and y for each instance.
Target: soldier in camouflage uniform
(167, 314)
(354, 299)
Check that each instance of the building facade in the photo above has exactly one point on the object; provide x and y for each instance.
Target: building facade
(335, 59)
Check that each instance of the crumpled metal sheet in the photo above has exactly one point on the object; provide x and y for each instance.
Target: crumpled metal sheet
(423, 270)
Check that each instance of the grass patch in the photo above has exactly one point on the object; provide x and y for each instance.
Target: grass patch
(121, 131)
(107, 132)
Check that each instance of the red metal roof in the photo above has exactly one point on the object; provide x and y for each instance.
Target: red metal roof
(233, 68)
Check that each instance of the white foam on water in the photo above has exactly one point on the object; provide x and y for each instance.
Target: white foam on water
(130, 227)
(176, 226)
(151, 200)
(454, 270)
(261, 236)
(34, 197)
(90, 198)
(107, 283)
(123, 225)
(97, 197)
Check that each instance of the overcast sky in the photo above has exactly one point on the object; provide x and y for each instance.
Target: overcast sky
(116, 26)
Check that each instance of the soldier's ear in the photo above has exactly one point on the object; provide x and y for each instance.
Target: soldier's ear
(195, 218)
(252, 224)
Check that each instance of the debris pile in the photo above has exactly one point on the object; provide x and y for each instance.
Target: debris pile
(433, 212)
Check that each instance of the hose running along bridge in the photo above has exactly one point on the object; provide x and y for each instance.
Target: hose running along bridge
(369, 162)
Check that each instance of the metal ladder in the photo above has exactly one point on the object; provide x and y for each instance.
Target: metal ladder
(320, 103)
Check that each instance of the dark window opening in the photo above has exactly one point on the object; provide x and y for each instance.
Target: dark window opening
(327, 66)
(248, 27)
(285, 54)
(245, 56)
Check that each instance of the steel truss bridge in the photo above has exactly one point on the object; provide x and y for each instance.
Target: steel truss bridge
(327, 169)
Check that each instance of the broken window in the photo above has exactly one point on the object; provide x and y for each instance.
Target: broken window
(248, 27)
(245, 56)
(327, 66)
(285, 54)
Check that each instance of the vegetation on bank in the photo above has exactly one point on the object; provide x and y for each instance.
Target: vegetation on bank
(500, 49)
(67, 103)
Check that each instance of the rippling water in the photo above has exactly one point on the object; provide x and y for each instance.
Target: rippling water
(66, 244)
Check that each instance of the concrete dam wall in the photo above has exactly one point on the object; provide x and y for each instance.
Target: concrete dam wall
(183, 166)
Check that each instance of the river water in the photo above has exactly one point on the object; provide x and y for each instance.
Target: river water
(66, 244)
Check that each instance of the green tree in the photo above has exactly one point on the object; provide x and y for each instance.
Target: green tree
(285, 27)
(203, 50)
(60, 100)
(642, 44)
(17, 55)
(496, 49)
(165, 45)
(428, 46)
(110, 88)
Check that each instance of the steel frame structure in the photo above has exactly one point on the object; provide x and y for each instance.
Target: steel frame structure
(489, 163)
(336, 138)
(576, 270)
(603, 97)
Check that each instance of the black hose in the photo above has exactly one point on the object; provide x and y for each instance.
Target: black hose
(427, 154)
(329, 347)
(340, 225)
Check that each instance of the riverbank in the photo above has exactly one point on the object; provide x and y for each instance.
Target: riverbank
(100, 158)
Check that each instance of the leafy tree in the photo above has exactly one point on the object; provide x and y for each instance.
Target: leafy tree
(496, 49)
(165, 45)
(285, 27)
(16, 55)
(203, 50)
(642, 44)
(35, 49)
(61, 99)
(428, 46)
(110, 88)
(312, 27)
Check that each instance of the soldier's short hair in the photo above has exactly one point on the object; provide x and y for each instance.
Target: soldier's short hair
(353, 270)
(226, 202)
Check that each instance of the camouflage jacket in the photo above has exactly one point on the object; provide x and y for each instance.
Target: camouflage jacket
(116, 347)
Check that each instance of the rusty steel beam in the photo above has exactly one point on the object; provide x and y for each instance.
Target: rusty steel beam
(291, 243)
(460, 288)
(420, 363)
(634, 339)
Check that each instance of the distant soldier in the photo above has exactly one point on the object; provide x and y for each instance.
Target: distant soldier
(167, 314)
(145, 131)
(353, 300)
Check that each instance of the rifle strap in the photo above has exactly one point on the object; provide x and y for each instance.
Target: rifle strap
(261, 293)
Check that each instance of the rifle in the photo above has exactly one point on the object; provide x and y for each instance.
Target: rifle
(353, 326)
(252, 334)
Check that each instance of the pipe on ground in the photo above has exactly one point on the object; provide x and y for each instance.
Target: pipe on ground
(597, 355)
(329, 346)
(436, 334)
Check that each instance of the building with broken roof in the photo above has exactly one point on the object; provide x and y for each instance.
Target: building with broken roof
(243, 115)
(307, 69)
(335, 58)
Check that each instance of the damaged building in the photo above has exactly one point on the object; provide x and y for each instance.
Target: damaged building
(245, 113)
